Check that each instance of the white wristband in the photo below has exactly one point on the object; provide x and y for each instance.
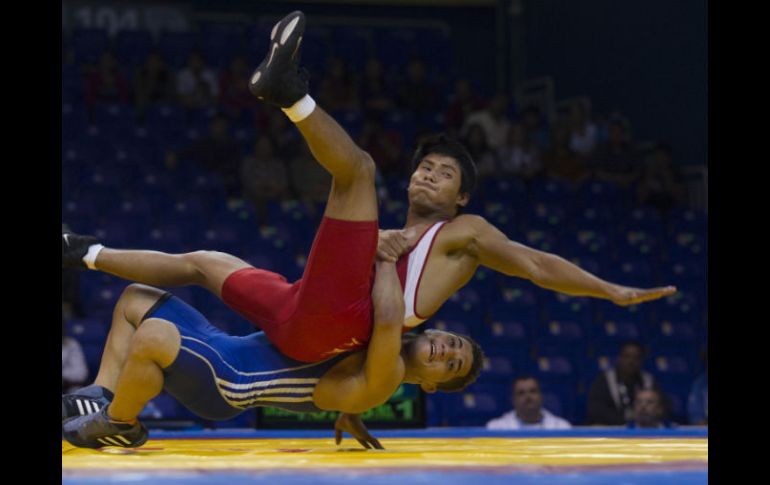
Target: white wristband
(90, 257)
(301, 109)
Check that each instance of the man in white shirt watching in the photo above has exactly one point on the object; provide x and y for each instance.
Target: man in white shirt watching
(528, 411)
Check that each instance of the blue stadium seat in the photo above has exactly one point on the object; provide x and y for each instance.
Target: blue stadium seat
(614, 332)
(682, 306)
(689, 220)
(671, 365)
(464, 305)
(559, 306)
(508, 191)
(548, 215)
(597, 193)
(114, 119)
(470, 409)
(594, 218)
(506, 338)
(503, 216)
(499, 367)
(645, 219)
(550, 191)
(560, 339)
(513, 303)
(633, 271)
(587, 242)
(553, 403)
(637, 243)
(671, 337)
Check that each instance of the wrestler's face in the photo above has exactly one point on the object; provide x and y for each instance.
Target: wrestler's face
(435, 185)
(435, 357)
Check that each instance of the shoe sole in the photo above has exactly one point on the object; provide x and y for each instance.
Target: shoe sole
(281, 35)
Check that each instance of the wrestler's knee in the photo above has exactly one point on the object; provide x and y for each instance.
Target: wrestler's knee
(157, 340)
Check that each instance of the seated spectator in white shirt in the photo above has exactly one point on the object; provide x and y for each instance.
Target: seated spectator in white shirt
(74, 371)
(528, 411)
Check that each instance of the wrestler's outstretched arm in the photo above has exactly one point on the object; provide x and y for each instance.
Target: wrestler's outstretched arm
(494, 250)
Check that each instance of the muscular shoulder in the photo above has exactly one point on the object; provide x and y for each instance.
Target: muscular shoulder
(464, 231)
(465, 227)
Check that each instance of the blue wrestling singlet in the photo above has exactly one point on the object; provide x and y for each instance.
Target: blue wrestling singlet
(217, 376)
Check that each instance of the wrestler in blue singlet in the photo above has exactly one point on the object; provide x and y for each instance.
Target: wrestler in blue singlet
(217, 376)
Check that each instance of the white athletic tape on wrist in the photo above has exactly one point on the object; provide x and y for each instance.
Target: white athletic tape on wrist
(301, 109)
(90, 257)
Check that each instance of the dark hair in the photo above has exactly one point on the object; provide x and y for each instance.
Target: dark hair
(459, 383)
(633, 343)
(525, 377)
(442, 144)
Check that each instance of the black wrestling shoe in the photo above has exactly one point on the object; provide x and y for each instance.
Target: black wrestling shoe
(73, 248)
(278, 80)
(96, 430)
(88, 400)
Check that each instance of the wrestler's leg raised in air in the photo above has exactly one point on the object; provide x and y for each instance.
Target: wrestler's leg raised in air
(278, 80)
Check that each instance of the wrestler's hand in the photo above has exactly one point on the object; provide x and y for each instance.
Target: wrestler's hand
(352, 424)
(624, 295)
(391, 245)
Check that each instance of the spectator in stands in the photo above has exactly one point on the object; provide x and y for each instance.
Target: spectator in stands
(698, 399)
(528, 411)
(648, 410)
(610, 399)
(520, 155)
(218, 153)
(310, 180)
(197, 85)
(475, 142)
(616, 161)
(106, 84)
(264, 177)
(153, 83)
(463, 102)
(582, 131)
(561, 161)
(375, 95)
(338, 91)
(416, 94)
(234, 95)
(660, 184)
(493, 120)
(383, 145)
(74, 371)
